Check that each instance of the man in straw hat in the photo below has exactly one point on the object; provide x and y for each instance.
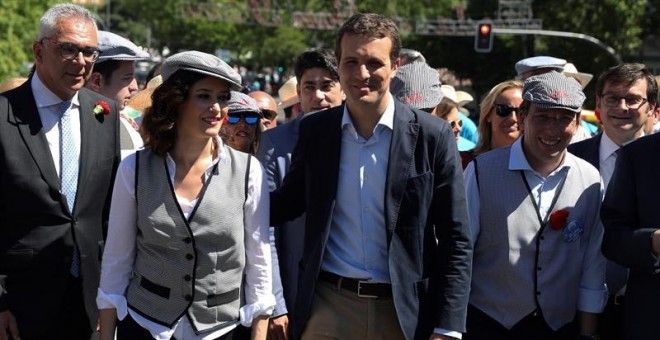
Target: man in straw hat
(535, 226)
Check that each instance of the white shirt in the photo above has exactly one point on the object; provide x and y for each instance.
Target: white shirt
(606, 158)
(119, 254)
(48, 107)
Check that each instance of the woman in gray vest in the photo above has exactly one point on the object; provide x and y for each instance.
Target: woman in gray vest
(187, 253)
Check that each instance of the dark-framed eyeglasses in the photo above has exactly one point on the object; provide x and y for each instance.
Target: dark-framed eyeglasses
(632, 102)
(70, 51)
(505, 110)
(456, 123)
(249, 119)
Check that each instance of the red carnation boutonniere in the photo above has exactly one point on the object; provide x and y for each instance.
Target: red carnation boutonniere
(102, 107)
(558, 219)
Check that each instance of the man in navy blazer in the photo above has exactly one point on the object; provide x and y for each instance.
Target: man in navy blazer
(51, 239)
(387, 244)
(626, 97)
(317, 88)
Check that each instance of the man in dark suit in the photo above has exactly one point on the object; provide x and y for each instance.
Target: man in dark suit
(631, 218)
(58, 154)
(318, 89)
(626, 97)
(387, 246)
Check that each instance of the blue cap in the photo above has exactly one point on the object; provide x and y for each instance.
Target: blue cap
(535, 63)
(115, 47)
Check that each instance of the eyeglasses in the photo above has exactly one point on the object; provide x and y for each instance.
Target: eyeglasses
(505, 110)
(70, 51)
(234, 118)
(632, 102)
(455, 123)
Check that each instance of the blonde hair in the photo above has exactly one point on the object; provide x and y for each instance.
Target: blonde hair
(485, 127)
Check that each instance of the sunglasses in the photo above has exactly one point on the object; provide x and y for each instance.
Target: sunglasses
(70, 51)
(235, 118)
(455, 123)
(505, 110)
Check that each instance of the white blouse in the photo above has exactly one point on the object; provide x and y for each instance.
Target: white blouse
(119, 254)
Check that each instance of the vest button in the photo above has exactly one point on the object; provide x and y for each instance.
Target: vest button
(189, 256)
(187, 277)
(188, 297)
(187, 240)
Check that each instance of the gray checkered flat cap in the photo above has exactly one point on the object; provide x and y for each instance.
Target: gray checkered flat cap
(241, 102)
(417, 84)
(533, 63)
(554, 90)
(201, 62)
(115, 47)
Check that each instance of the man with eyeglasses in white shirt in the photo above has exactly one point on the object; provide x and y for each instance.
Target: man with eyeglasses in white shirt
(626, 97)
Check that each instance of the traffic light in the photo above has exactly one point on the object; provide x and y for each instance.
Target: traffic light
(483, 40)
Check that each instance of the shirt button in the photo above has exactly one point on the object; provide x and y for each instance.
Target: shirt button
(187, 240)
(188, 297)
(539, 268)
(187, 277)
(538, 293)
(189, 256)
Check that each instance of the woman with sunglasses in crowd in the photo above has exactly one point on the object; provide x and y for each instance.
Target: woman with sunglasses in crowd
(187, 253)
(242, 127)
(498, 119)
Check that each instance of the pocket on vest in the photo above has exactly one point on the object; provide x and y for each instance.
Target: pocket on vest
(157, 289)
(224, 298)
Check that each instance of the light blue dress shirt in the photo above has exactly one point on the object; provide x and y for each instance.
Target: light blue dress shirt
(357, 245)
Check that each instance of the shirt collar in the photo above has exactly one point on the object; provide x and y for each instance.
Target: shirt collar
(518, 161)
(386, 119)
(607, 147)
(44, 97)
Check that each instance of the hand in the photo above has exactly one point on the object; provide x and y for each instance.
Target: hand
(655, 242)
(8, 326)
(278, 328)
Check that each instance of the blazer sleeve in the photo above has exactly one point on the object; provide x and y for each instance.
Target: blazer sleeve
(450, 219)
(626, 241)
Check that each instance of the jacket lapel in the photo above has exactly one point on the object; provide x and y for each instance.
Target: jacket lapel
(402, 150)
(26, 118)
(88, 126)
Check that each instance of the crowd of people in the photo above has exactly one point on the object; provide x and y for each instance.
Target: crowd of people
(377, 210)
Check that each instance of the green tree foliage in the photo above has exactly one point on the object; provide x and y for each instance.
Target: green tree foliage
(19, 26)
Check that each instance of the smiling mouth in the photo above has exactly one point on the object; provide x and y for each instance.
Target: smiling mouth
(549, 142)
(211, 120)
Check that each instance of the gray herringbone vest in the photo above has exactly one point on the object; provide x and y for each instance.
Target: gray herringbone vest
(504, 267)
(192, 267)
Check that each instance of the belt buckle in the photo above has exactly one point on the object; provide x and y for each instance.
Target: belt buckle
(359, 290)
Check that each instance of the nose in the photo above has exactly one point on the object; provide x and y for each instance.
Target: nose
(364, 72)
(80, 59)
(319, 95)
(133, 86)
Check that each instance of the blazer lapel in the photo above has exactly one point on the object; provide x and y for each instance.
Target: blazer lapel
(88, 126)
(27, 120)
(404, 139)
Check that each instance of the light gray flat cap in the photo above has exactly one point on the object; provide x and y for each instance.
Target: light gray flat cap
(115, 47)
(201, 62)
(554, 90)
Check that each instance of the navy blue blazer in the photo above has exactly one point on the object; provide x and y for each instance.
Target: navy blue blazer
(630, 214)
(588, 149)
(275, 149)
(430, 256)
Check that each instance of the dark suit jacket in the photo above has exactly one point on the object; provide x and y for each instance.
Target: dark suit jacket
(430, 256)
(630, 214)
(588, 149)
(37, 230)
(275, 149)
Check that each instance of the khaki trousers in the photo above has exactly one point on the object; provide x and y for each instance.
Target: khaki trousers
(340, 314)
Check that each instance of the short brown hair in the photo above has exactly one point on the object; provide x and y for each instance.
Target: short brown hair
(372, 25)
(158, 128)
(626, 75)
